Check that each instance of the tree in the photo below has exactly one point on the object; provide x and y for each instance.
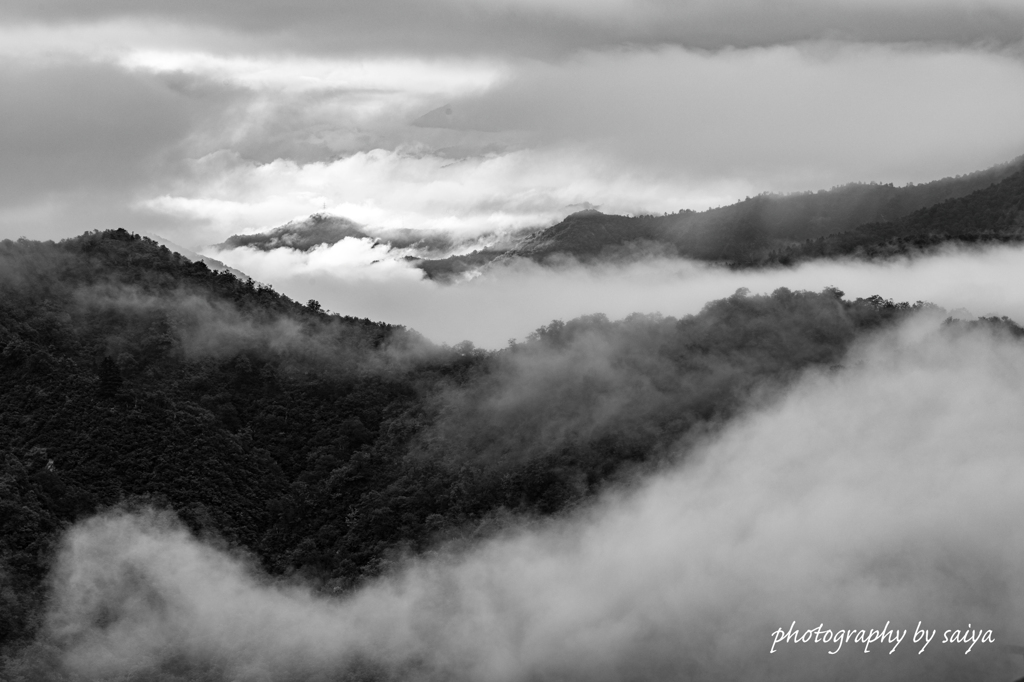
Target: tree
(110, 378)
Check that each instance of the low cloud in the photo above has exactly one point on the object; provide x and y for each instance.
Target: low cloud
(627, 130)
(405, 190)
(606, 393)
(511, 300)
(879, 493)
(298, 75)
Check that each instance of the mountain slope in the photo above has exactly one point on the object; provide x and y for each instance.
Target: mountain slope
(328, 447)
(992, 214)
(211, 263)
(764, 229)
(319, 229)
(323, 230)
(748, 230)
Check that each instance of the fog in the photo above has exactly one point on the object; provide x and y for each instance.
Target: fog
(609, 393)
(513, 299)
(145, 314)
(206, 327)
(877, 493)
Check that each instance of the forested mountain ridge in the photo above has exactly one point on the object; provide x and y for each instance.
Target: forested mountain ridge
(746, 233)
(751, 232)
(743, 231)
(330, 447)
(994, 214)
(317, 230)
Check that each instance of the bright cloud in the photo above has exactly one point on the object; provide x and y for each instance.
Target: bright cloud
(552, 106)
(513, 300)
(362, 260)
(629, 131)
(296, 74)
(402, 189)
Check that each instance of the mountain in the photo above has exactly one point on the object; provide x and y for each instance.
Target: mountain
(749, 230)
(433, 247)
(994, 214)
(305, 235)
(212, 263)
(328, 447)
(769, 229)
(451, 268)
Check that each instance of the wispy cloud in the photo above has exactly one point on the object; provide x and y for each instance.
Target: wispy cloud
(298, 74)
(406, 189)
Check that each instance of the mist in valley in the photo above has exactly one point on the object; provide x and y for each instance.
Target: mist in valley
(398, 449)
(872, 493)
(508, 300)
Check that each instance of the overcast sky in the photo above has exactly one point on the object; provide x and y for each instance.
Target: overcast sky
(198, 119)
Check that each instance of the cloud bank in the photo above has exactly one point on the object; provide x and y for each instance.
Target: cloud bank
(511, 300)
(876, 493)
(628, 131)
(198, 122)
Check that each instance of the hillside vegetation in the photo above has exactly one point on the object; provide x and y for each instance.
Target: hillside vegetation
(858, 219)
(328, 447)
(992, 215)
(748, 232)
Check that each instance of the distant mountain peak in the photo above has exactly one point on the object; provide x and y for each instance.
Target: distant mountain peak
(751, 230)
(304, 235)
(583, 213)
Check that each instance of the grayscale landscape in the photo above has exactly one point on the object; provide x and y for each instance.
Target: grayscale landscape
(511, 341)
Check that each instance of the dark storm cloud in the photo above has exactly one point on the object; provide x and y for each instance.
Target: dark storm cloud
(530, 27)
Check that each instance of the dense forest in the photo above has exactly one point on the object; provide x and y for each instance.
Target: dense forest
(993, 215)
(331, 448)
